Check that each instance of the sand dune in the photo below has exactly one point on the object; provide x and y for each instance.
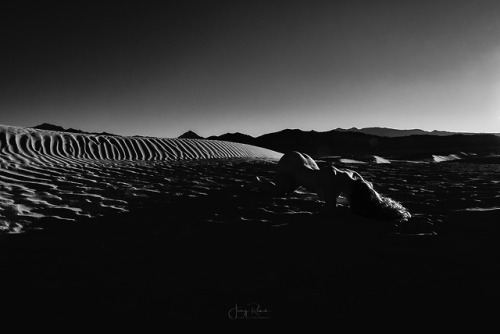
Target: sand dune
(68, 176)
(25, 145)
(368, 159)
(442, 158)
(470, 157)
(381, 160)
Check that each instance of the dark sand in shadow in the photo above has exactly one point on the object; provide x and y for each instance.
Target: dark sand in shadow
(216, 242)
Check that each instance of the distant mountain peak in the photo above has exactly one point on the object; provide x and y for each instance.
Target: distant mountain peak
(49, 127)
(237, 134)
(236, 137)
(190, 135)
(52, 127)
(390, 132)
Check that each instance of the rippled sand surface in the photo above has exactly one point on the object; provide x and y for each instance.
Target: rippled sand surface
(66, 177)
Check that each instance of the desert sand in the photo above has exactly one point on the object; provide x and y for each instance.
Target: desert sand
(107, 228)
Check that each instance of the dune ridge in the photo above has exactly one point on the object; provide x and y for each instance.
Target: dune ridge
(457, 157)
(26, 144)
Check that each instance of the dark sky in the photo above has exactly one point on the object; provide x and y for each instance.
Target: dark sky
(253, 66)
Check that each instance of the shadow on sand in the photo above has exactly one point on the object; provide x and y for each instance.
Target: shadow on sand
(196, 258)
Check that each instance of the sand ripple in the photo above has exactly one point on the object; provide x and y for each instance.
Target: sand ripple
(68, 176)
(28, 145)
(65, 178)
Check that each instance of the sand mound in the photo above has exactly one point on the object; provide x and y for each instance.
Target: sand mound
(66, 176)
(442, 158)
(380, 160)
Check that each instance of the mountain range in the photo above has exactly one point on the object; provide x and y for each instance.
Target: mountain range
(52, 127)
(388, 132)
(367, 141)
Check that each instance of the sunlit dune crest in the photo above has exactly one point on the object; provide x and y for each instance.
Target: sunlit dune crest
(381, 160)
(351, 161)
(441, 158)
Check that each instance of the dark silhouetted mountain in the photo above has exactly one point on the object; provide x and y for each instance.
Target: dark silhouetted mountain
(389, 142)
(315, 143)
(388, 132)
(190, 135)
(236, 137)
(320, 144)
(52, 127)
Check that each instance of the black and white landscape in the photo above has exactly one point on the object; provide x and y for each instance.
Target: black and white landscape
(317, 161)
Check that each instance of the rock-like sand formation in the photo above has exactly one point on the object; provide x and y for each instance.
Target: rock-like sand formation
(67, 176)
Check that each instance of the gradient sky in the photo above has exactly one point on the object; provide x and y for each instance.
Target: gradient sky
(253, 66)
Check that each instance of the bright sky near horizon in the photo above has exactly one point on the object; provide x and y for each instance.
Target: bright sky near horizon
(253, 66)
